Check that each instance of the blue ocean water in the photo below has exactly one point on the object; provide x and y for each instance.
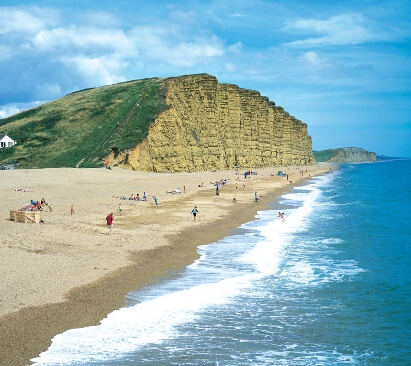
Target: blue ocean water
(328, 286)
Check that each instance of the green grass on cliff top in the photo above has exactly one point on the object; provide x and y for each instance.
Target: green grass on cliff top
(324, 155)
(82, 127)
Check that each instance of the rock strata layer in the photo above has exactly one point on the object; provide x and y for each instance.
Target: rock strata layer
(219, 126)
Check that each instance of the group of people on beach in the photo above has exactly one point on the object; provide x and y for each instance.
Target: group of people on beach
(137, 197)
(194, 211)
(133, 197)
(35, 205)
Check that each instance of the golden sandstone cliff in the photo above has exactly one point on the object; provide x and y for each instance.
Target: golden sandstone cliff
(213, 126)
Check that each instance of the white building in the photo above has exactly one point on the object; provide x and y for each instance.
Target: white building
(6, 142)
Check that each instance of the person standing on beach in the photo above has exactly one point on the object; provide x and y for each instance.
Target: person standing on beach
(109, 220)
(120, 209)
(72, 209)
(194, 212)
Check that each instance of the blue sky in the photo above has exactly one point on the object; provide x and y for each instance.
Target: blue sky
(342, 67)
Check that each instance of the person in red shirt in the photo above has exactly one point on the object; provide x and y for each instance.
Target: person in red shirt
(110, 219)
(38, 206)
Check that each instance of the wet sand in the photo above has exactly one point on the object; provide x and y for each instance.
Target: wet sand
(69, 273)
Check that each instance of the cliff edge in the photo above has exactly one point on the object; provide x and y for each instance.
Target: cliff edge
(210, 126)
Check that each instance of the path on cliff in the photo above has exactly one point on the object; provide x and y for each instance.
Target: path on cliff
(117, 128)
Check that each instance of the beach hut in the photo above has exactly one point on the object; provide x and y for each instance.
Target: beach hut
(6, 141)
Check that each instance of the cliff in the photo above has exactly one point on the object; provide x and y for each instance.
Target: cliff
(218, 126)
(186, 123)
(345, 155)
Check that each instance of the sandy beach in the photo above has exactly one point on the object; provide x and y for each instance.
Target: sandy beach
(68, 272)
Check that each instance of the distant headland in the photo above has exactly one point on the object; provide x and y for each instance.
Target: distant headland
(345, 155)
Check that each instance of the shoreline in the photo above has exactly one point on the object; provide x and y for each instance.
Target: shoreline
(87, 304)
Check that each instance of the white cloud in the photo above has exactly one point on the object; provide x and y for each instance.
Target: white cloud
(14, 108)
(96, 71)
(159, 45)
(28, 20)
(313, 59)
(8, 110)
(315, 67)
(188, 53)
(16, 20)
(101, 54)
(344, 29)
(83, 39)
(236, 47)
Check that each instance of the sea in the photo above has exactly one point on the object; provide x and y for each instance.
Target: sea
(331, 285)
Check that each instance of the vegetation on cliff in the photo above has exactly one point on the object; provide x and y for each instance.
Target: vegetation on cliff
(80, 129)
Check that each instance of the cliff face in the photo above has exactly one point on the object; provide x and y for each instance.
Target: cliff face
(353, 155)
(219, 126)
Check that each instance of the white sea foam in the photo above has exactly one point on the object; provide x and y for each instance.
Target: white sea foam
(153, 321)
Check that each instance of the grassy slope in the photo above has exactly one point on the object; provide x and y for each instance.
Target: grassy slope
(82, 125)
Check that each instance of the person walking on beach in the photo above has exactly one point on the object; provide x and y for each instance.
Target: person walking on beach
(120, 209)
(109, 220)
(72, 209)
(194, 212)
